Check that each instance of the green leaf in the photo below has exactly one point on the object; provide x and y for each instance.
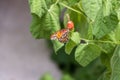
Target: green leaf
(91, 7)
(105, 76)
(108, 47)
(38, 7)
(69, 46)
(104, 25)
(47, 76)
(116, 6)
(75, 37)
(57, 45)
(115, 64)
(114, 35)
(90, 31)
(105, 59)
(117, 32)
(67, 77)
(75, 40)
(46, 25)
(85, 53)
(118, 12)
(107, 7)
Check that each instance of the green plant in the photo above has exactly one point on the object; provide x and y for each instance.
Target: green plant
(96, 30)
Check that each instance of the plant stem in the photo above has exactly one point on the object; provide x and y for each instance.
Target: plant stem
(71, 8)
(56, 2)
(80, 12)
(105, 42)
(100, 41)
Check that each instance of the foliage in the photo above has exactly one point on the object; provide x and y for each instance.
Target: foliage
(96, 32)
(68, 65)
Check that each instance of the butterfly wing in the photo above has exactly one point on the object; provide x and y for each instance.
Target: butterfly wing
(65, 36)
(53, 37)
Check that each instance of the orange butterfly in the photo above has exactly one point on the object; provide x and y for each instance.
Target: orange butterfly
(61, 35)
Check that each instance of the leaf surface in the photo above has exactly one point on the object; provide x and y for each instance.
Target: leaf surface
(46, 25)
(115, 64)
(57, 45)
(91, 7)
(75, 40)
(85, 53)
(104, 25)
(38, 7)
